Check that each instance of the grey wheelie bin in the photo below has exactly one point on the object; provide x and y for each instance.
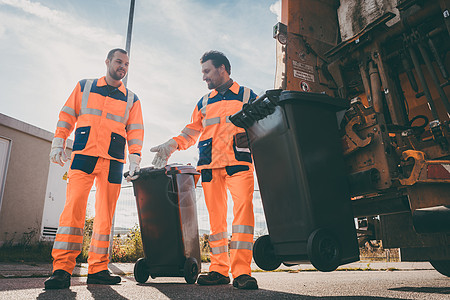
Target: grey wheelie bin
(167, 212)
(295, 142)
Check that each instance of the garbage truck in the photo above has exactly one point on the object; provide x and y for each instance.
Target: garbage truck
(390, 60)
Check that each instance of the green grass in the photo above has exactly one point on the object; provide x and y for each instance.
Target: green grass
(40, 252)
(128, 249)
(125, 248)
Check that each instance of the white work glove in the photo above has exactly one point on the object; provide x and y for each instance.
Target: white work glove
(134, 161)
(163, 152)
(58, 154)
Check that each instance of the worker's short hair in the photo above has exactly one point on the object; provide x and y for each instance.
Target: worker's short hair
(217, 58)
(111, 53)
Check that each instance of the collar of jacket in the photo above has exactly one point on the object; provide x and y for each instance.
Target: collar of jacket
(102, 82)
(234, 88)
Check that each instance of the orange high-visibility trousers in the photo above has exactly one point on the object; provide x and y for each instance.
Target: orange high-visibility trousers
(69, 238)
(239, 180)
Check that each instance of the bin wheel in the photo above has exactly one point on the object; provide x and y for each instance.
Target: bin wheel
(264, 254)
(190, 270)
(140, 271)
(442, 266)
(323, 250)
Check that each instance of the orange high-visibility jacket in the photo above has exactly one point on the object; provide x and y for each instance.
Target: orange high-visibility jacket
(106, 120)
(218, 143)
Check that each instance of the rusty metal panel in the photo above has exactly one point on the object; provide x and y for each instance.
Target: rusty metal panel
(393, 203)
(426, 171)
(428, 195)
(306, 18)
(308, 39)
(398, 232)
(355, 15)
(425, 253)
(301, 66)
(378, 154)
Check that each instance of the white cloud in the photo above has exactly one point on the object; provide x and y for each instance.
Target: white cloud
(50, 49)
(276, 9)
(2, 30)
(63, 22)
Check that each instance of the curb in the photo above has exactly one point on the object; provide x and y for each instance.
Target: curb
(26, 270)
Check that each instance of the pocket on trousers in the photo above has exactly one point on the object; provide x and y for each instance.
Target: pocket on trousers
(81, 138)
(231, 170)
(117, 146)
(84, 163)
(206, 175)
(115, 172)
(205, 152)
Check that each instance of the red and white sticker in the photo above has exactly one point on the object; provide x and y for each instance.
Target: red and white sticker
(438, 171)
(304, 86)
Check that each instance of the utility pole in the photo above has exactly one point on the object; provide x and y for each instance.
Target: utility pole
(129, 32)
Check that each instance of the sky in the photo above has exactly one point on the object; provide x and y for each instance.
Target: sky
(47, 46)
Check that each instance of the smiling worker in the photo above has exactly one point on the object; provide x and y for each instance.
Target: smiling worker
(107, 117)
(225, 162)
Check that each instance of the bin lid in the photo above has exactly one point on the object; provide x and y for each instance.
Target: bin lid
(149, 171)
(181, 169)
(169, 170)
(297, 96)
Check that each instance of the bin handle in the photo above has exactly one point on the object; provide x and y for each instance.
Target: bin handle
(167, 172)
(271, 95)
(140, 172)
(178, 171)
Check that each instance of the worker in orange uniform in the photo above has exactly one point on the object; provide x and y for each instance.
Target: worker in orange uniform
(225, 162)
(107, 116)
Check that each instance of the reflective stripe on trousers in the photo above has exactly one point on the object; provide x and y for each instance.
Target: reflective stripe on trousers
(69, 238)
(241, 187)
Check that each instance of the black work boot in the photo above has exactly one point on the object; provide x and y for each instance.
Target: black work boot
(245, 282)
(213, 278)
(103, 277)
(60, 279)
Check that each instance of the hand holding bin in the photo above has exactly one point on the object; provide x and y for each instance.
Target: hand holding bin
(167, 212)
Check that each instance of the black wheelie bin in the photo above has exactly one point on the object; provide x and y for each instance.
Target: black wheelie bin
(167, 212)
(297, 151)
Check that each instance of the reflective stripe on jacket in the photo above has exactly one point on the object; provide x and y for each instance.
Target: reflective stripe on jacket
(105, 120)
(210, 120)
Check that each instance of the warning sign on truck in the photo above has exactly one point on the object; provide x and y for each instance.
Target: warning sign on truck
(304, 86)
(302, 66)
(304, 75)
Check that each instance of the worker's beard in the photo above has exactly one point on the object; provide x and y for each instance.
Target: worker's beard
(211, 85)
(116, 75)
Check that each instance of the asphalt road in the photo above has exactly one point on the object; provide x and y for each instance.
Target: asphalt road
(410, 284)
